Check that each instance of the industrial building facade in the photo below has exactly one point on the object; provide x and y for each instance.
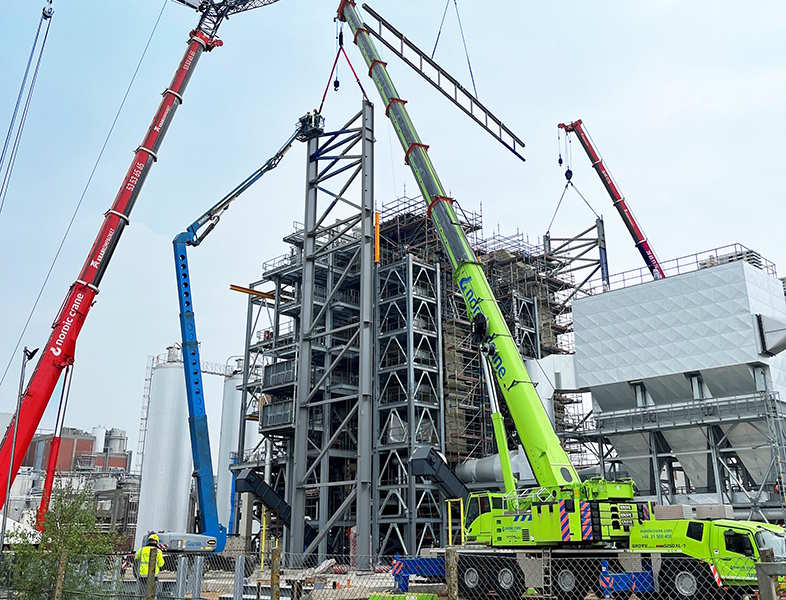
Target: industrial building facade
(687, 391)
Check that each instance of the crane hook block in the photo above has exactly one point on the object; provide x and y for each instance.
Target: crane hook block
(568, 174)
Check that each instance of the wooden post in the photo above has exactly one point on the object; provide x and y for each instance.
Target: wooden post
(61, 568)
(451, 572)
(275, 574)
(150, 592)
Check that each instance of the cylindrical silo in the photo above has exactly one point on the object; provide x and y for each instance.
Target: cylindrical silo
(116, 441)
(227, 449)
(167, 465)
(100, 434)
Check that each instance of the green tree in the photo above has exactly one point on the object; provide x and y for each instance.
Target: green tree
(70, 543)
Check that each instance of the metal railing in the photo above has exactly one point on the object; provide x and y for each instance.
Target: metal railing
(686, 264)
(689, 413)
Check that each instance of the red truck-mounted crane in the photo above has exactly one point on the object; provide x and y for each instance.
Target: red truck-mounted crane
(58, 353)
(641, 242)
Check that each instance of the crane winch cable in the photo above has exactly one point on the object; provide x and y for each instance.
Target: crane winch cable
(466, 51)
(10, 131)
(82, 195)
(339, 51)
(46, 15)
(570, 184)
(439, 31)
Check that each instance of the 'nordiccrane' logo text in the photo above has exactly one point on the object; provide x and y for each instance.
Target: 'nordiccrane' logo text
(57, 349)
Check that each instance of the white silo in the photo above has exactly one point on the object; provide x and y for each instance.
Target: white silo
(167, 465)
(230, 423)
(100, 435)
(116, 441)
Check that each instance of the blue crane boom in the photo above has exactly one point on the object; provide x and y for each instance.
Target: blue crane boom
(308, 126)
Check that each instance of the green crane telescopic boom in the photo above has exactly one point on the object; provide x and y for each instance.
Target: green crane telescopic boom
(549, 462)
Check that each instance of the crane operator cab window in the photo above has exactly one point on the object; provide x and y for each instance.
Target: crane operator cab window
(738, 542)
(476, 506)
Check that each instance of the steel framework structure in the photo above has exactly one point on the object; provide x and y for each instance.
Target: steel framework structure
(713, 421)
(324, 241)
(315, 396)
(409, 411)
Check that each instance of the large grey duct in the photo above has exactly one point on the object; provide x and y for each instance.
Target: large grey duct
(488, 470)
(772, 333)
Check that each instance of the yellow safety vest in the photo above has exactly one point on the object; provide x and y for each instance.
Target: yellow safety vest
(143, 557)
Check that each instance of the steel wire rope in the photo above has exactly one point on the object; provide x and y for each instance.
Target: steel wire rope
(84, 192)
(21, 91)
(466, 51)
(23, 119)
(570, 184)
(439, 31)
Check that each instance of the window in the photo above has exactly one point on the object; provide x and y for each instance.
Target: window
(472, 511)
(738, 542)
(496, 502)
(484, 504)
(695, 530)
(774, 541)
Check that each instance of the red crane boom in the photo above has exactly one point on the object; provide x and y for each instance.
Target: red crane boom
(59, 350)
(619, 202)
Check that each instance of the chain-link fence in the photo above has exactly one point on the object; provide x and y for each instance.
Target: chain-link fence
(597, 575)
(453, 575)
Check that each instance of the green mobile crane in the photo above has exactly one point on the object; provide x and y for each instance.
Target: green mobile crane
(588, 524)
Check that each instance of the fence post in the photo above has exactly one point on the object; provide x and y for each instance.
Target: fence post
(240, 565)
(117, 565)
(451, 572)
(150, 591)
(182, 577)
(61, 567)
(199, 563)
(275, 574)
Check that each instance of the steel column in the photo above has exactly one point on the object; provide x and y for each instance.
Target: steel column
(304, 357)
(366, 358)
(411, 535)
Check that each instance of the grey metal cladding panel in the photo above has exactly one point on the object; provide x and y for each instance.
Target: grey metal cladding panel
(668, 389)
(689, 322)
(663, 390)
(634, 444)
(778, 374)
(765, 293)
(615, 396)
(756, 460)
(735, 380)
(683, 441)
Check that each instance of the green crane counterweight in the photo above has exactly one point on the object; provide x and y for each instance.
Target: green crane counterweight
(550, 464)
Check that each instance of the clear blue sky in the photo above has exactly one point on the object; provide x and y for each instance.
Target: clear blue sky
(685, 100)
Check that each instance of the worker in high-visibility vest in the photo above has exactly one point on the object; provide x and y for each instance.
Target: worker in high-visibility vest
(143, 561)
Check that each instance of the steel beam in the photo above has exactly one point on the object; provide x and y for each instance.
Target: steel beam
(366, 358)
(297, 531)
